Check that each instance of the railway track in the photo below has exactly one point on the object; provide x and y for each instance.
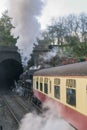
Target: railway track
(17, 109)
(34, 106)
(37, 107)
(20, 101)
(12, 112)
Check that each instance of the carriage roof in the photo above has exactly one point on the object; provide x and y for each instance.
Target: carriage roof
(76, 69)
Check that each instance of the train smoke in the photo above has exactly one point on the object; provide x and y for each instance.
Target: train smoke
(49, 120)
(49, 55)
(24, 14)
(56, 51)
(52, 57)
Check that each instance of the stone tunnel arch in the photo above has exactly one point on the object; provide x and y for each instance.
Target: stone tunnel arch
(10, 70)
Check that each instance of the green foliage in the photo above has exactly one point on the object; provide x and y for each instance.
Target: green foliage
(5, 30)
(80, 50)
(69, 33)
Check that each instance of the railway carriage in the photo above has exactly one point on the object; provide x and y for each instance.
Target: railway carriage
(66, 86)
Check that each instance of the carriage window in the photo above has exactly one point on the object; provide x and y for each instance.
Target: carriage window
(56, 81)
(71, 83)
(57, 92)
(71, 96)
(46, 88)
(36, 84)
(41, 87)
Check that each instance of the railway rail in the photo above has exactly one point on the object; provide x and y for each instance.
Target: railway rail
(37, 107)
(31, 103)
(12, 112)
(16, 108)
(22, 104)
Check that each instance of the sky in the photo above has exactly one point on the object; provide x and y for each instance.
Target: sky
(54, 8)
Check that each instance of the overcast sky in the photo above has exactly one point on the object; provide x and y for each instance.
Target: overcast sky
(55, 8)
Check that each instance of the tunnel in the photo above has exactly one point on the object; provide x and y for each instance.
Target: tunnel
(10, 71)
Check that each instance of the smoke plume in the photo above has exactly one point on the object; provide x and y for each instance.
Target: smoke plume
(49, 55)
(56, 51)
(24, 14)
(49, 120)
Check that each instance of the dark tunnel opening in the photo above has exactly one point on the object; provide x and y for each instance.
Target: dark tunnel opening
(10, 71)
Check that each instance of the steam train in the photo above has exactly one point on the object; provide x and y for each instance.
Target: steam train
(66, 87)
(25, 84)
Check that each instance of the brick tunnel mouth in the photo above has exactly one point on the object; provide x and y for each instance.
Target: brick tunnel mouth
(10, 71)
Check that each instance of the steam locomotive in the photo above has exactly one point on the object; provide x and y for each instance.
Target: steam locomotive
(66, 87)
(24, 84)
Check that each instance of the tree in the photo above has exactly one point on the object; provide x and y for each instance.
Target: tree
(83, 26)
(5, 30)
(80, 50)
(69, 33)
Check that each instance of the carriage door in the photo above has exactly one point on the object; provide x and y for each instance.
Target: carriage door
(50, 88)
(86, 99)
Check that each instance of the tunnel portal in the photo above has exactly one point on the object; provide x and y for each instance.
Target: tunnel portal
(10, 71)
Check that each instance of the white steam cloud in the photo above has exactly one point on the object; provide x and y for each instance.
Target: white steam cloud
(47, 121)
(24, 14)
(49, 55)
(56, 51)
